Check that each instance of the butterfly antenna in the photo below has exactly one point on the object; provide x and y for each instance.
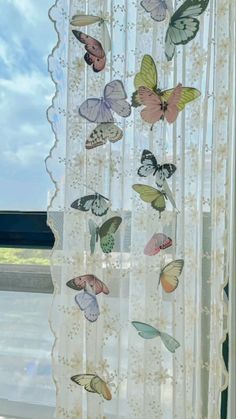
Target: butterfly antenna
(152, 127)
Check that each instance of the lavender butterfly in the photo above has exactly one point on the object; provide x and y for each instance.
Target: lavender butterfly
(157, 8)
(87, 302)
(100, 109)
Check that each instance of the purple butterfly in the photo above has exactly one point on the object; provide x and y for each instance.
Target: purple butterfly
(99, 109)
(87, 302)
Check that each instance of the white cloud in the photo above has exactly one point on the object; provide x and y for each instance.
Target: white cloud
(27, 9)
(27, 84)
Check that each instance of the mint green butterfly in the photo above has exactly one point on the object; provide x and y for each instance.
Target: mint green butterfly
(105, 232)
(148, 332)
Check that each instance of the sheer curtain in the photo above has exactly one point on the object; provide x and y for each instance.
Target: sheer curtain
(145, 379)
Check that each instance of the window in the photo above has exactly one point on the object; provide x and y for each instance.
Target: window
(27, 390)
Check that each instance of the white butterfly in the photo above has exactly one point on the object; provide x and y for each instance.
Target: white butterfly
(114, 99)
(87, 302)
(102, 133)
(157, 8)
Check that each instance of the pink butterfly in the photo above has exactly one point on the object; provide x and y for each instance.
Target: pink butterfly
(95, 54)
(80, 282)
(156, 108)
(157, 243)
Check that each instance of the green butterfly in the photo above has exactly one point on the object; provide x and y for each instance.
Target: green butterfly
(148, 77)
(183, 25)
(105, 232)
(151, 195)
(148, 332)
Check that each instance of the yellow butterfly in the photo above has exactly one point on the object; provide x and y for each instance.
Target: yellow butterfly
(151, 195)
(169, 276)
(148, 77)
(93, 383)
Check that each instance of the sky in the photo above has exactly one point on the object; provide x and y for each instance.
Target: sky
(26, 39)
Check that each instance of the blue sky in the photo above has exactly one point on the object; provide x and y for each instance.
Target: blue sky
(26, 38)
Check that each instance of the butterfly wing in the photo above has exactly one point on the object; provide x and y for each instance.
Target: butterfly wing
(164, 171)
(145, 330)
(115, 96)
(101, 387)
(93, 229)
(153, 110)
(158, 242)
(100, 205)
(147, 77)
(170, 343)
(106, 232)
(172, 110)
(188, 94)
(102, 133)
(169, 194)
(95, 55)
(169, 276)
(85, 381)
(157, 8)
(87, 302)
(95, 110)
(85, 20)
(149, 164)
(84, 203)
(159, 204)
(147, 193)
(183, 25)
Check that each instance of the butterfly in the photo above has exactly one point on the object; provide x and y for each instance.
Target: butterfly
(183, 25)
(156, 108)
(151, 167)
(98, 204)
(86, 20)
(94, 384)
(149, 332)
(158, 242)
(114, 99)
(151, 195)
(80, 283)
(95, 55)
(148, 77)
(87, 302)
(105, 232)
(102, 133)
(169, 275)
(157, 8)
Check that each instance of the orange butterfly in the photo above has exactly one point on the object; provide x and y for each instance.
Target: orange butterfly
(169, 275)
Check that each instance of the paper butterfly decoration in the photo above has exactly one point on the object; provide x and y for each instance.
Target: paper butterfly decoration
(87, 302)
(98, 204)
(151, 195)
(94, 384)
(168, 193)
(95, 55)
(80, 283)
(183, 25)
(105, 232)
(86, 20)
(114, 99)
(102, 133)
(159, 103)
(148, 332)
(169, 276)
(151, 167)
(157, 8)
(158, 242)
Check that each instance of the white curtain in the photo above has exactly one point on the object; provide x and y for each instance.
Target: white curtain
(145, 379)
